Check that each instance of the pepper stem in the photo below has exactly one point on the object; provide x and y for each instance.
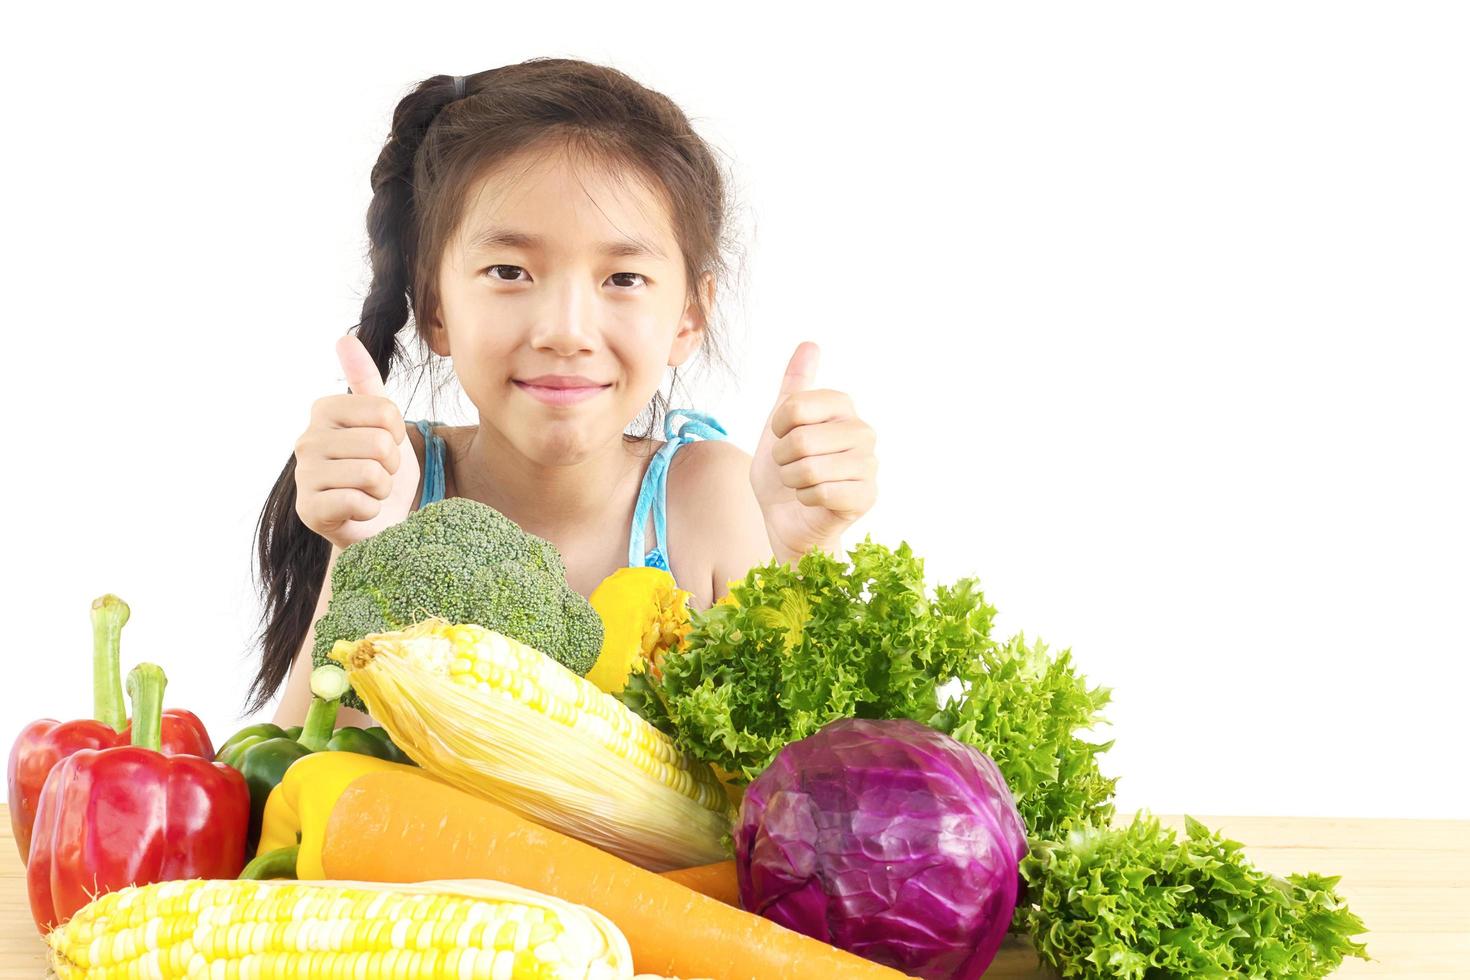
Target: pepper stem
(145, 689)
(109, 615)
(280, 863)
(328, 684)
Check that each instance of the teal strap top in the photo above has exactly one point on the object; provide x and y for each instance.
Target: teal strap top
(681, 426)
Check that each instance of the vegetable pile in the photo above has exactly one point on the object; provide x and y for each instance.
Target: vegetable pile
(835, 771)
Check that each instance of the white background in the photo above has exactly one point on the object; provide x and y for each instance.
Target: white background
(1160, 312)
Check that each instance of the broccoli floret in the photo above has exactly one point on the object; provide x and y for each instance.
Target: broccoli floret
(465, 562)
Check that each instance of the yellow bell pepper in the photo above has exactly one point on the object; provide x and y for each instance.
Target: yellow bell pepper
(297, 809)
(644, 615)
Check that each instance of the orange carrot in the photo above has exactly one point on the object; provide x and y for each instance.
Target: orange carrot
(716, 880)
(400, 826)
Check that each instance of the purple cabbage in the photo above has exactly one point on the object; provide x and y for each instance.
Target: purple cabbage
(888, 839)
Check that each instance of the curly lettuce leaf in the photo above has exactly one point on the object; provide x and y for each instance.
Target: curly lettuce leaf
(1139, 902)
(1028, 710)
(798, 647)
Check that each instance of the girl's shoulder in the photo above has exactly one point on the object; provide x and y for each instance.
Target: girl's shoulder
(708, 460)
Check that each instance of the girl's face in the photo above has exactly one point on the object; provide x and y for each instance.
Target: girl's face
(563, 299)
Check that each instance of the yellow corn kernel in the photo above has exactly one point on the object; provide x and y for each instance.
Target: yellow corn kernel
(328, 930)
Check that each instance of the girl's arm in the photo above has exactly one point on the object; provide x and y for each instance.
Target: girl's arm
(297, 696)
(716, 530)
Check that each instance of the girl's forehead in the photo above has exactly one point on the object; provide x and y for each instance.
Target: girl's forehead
(552, 200)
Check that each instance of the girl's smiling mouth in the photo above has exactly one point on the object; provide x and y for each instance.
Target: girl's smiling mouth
(560, 389)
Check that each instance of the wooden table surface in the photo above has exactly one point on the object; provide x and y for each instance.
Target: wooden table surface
(1409, 880)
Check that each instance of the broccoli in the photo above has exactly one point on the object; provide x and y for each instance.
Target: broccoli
(465, 562)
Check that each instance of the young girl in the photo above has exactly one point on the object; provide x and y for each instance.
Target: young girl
(554, 227)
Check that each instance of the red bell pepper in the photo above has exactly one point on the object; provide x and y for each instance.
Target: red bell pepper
(130, 815)
(43, 743)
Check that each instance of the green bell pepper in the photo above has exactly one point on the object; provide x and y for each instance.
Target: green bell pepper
(229, 752)
(263, 753)
(367, 741)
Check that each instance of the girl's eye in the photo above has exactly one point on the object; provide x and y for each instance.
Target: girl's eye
(499, 278)
(492, 269)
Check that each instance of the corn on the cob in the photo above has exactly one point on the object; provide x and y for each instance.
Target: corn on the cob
(499, 719)
(329, 929)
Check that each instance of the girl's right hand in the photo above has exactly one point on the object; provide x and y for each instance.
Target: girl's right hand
(356, 471)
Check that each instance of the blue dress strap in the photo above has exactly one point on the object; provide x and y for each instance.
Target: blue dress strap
(433, 490)
(681, 426)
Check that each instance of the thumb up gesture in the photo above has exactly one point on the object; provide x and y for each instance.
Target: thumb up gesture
(356, 472)
(814, 472)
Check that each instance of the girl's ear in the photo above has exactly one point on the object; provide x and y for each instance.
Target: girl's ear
(438, 336)
(692, 324)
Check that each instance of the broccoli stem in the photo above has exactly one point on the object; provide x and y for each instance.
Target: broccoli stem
(109, 615)
(145, 689)
(328, 684)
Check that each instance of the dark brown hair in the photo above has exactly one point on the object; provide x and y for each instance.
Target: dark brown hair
(440, 144)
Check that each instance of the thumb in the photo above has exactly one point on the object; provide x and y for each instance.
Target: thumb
(801, 374)
(358, 367)
(801, 371)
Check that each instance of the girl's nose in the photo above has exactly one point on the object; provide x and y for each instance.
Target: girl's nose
(565, 322)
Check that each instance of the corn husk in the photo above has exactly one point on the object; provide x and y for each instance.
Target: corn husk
(498, 748)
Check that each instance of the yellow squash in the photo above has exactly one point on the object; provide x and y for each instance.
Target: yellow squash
(644, 616)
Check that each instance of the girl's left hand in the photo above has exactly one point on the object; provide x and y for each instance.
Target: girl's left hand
(814, 472)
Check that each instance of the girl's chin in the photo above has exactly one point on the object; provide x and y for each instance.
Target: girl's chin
(560, 442)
